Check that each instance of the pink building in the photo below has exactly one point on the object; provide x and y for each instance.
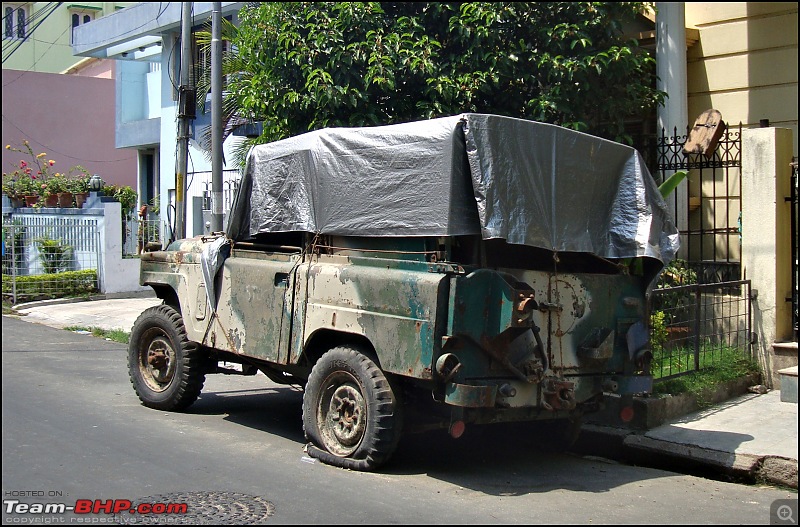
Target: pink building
(70, 117)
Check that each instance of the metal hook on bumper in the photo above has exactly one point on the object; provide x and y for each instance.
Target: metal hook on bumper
(558, 394)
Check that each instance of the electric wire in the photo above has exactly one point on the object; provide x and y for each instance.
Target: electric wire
(51, 149)
(34, 18)
(18, 42)
(52, 6)
(32, 24)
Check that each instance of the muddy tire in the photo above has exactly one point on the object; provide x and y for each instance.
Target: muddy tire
(351, 414)
(166, 369)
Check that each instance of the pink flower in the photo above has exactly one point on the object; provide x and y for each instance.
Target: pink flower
(23, 164)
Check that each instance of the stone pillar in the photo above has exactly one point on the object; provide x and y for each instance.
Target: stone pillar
(116, 274)
(766, 244)
(672, 79)
(671, 66)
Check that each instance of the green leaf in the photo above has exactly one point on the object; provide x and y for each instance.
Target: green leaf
(671, 183)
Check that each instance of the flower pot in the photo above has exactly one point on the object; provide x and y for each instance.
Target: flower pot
(51, 201)
(80, 198)
(17, 202)
(65, 200)
(30, 201)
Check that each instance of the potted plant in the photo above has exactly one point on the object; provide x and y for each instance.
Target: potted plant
(21, 184)
(27, 189)
(61, 187)
(79, 185)
(52, 187)
(38, 178)
(13, 189)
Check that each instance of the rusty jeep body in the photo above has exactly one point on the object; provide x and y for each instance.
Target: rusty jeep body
(411, 286)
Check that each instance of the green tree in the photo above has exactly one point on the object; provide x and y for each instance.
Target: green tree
(300, 66)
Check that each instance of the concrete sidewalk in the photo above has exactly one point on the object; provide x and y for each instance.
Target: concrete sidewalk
(752, 436)
(108, 314)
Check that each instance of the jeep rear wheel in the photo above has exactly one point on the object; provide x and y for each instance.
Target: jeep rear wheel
(350, 412)
(165, 369)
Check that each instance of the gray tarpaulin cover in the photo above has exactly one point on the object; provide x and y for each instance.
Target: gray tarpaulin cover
(211, 260)
(528, 183)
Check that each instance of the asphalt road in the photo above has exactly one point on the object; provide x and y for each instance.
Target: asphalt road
(73, 430)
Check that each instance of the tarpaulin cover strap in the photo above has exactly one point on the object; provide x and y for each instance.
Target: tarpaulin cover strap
(526, 182)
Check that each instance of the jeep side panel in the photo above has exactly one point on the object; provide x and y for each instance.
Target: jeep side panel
(393, 303)
(254, 310)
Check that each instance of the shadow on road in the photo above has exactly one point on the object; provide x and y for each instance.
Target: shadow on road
(274, 410)
(497, 460)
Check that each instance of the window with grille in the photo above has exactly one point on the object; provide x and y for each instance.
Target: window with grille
(80, 17)
(15, 21)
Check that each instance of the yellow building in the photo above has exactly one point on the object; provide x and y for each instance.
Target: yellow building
(37, 36)
(744, 62)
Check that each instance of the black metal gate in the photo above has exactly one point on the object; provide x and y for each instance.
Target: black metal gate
(701, 310)
(712, 232)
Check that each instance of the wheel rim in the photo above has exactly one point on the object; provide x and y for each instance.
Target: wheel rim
(157, 360)
(342, 414)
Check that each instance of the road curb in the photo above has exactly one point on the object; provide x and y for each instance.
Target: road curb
(779, 471)
(635, 447)
(740, 465)
(102, 296)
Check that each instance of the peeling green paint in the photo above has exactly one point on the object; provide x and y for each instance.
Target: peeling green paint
(511, 330)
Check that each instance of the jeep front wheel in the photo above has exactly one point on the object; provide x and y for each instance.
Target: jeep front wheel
(165, 369)
(351, 415)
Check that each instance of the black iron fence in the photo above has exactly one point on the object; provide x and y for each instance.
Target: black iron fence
(709, 212)
(699, 326)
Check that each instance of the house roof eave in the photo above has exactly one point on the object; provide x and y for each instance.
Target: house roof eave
(107, 36)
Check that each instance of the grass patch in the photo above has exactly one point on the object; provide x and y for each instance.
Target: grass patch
(8, 308)
(117, 335)
(677, 361)
(717, 366)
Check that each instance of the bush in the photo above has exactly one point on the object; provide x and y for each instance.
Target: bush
(54, 255)
(658, 331)
(52, 285)
(14, 240)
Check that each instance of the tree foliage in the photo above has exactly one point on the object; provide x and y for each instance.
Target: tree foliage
(307, 65)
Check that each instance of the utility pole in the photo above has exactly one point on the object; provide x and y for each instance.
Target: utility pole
(216, 117)
(186, 111)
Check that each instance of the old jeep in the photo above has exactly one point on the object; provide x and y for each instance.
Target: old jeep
(468, 269)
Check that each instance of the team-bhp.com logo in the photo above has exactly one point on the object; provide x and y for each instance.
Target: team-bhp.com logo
(12, 506)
